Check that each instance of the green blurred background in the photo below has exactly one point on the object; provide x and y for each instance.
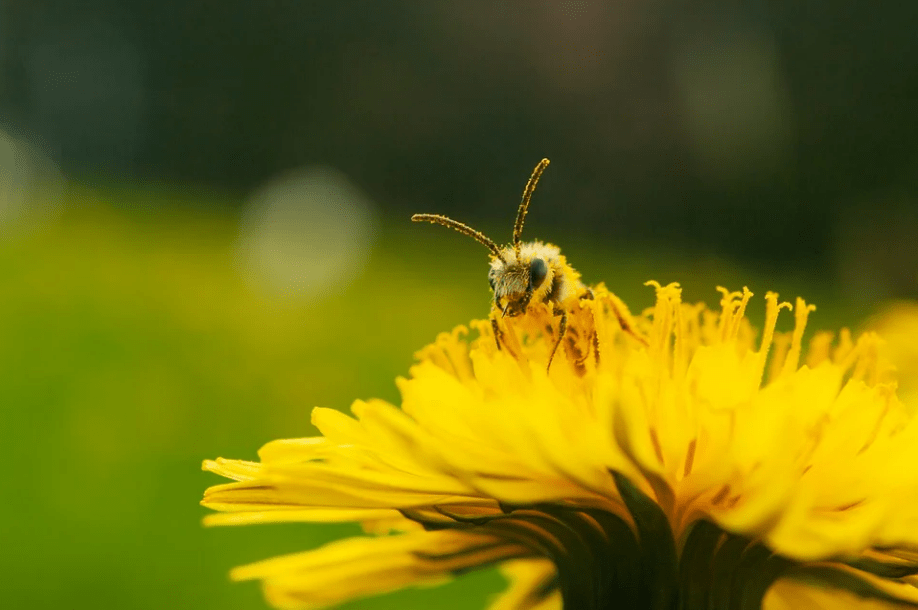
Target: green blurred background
(204, 226)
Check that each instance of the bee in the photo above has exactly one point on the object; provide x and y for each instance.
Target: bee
(523, 273)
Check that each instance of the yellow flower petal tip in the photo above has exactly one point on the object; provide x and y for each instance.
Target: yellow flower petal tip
(691, 462)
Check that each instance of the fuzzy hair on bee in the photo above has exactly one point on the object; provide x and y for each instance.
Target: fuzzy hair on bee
(523, 273)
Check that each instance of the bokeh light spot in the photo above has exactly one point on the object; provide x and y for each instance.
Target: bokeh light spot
(306, 234)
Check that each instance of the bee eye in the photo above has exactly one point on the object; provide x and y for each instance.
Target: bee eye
(537, 272)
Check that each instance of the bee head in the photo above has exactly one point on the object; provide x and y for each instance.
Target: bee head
(516, 280)
(518, 272)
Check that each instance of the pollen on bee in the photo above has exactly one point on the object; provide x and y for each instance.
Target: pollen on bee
(533, 281)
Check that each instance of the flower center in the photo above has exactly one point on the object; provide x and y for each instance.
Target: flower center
(604, 563)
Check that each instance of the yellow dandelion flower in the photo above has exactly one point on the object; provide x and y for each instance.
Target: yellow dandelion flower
(897, 323)
(705, 467)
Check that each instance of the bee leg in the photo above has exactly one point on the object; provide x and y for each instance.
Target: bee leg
(497, 332)
(623, 321)
(561, 332)
(627, 328)
(594, 338)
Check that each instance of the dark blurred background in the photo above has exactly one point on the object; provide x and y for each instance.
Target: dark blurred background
(751, 129)
(203, 224)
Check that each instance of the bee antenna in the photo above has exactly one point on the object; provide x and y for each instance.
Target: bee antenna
(524, 204)
(462, 228)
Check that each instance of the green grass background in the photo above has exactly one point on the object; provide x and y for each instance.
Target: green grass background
(131, 349)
